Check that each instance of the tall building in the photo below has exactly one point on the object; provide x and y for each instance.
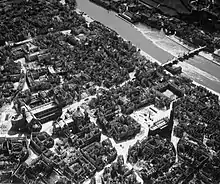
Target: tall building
(163, 127)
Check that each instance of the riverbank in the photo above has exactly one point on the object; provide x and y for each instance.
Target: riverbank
(156, 45)
(209, 57)
(184, 46)
(188, 46)
(147, 55)
(110, 19)
(197, 68)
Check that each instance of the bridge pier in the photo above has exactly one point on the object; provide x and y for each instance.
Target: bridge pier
(185, 56)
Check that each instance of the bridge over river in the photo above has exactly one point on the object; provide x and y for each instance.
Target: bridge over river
(185, 56)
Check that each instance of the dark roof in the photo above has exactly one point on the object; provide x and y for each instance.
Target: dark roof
(217, 2)
(11, 1)
(170, 6)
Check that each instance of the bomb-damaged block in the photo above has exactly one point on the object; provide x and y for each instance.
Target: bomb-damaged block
(79, 169)
(154, 154)
(38, 170)
(79, 130)
(118, 171)
(13, 151)
(192, 153)
(106, 103)
(121, 128)
(40, 141)
(210, 171)
(100, 154)
(178, 174)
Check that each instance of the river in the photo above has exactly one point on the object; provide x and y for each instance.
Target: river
(156, 44)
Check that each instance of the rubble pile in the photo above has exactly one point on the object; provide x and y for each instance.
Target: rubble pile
(119, 173)
(154, 155)
(100, 154)
(13, 152)
(78, 129)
